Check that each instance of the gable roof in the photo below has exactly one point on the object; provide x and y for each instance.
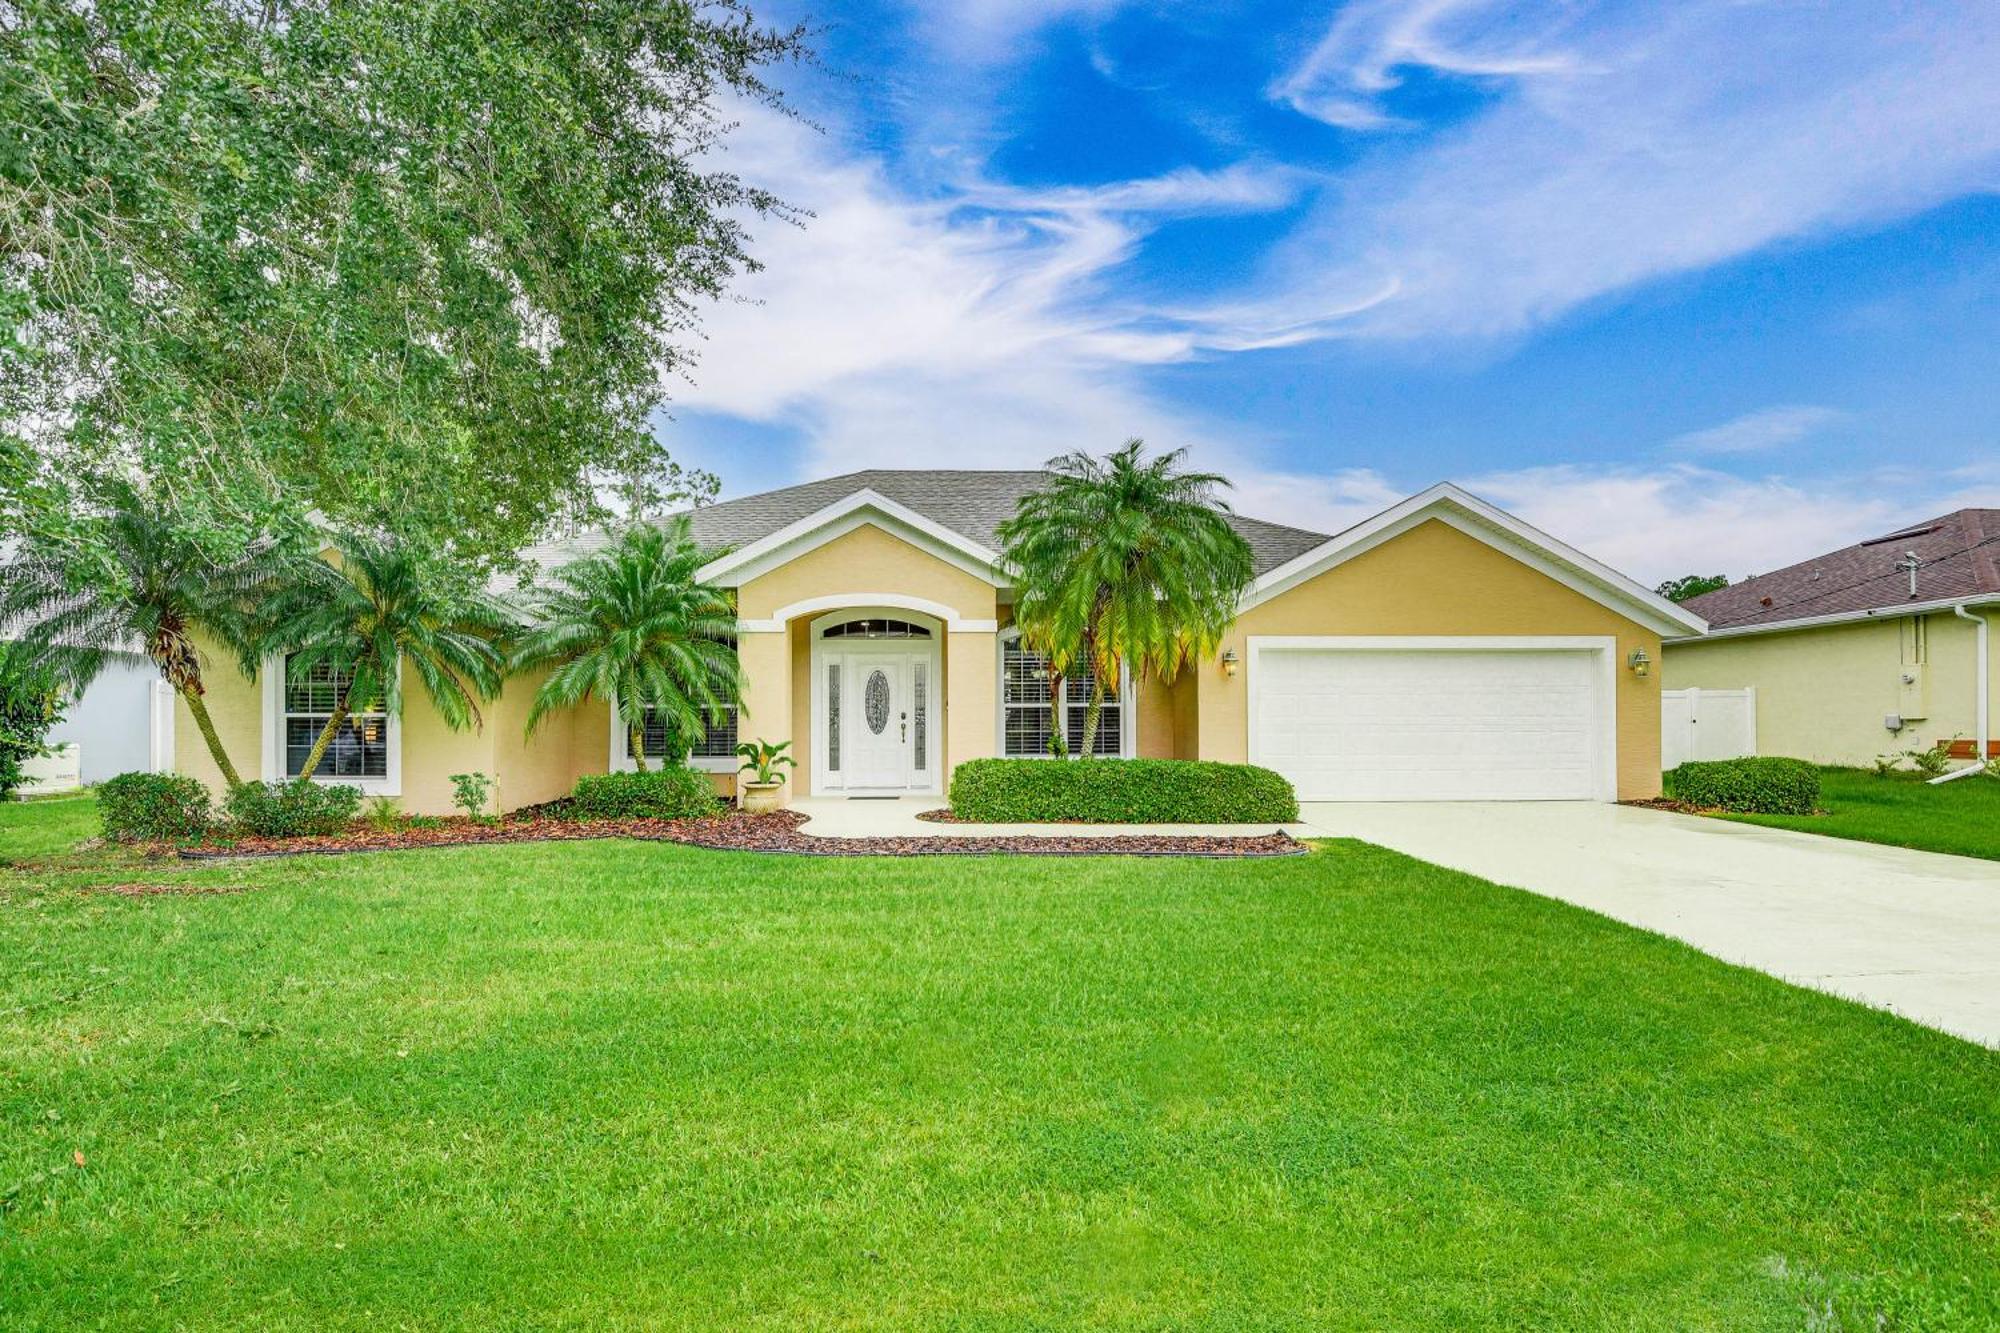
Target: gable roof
(1499, 529)
(1958, 557)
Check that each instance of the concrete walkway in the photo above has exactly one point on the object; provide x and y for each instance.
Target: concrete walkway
(896, 817)
(1916, 933)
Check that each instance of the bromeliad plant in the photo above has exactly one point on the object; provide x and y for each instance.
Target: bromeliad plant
(762, 760)
(380, 605)
(1122, 562)
(635, 626)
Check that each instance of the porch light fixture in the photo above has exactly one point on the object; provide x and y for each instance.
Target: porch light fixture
(1640, 663)
(1229, 662)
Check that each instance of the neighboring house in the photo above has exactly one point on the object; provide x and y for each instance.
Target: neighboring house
(1867, 650)
(1441, 650)
(122, 723)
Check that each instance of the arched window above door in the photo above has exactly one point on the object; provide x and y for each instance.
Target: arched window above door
(875, 628)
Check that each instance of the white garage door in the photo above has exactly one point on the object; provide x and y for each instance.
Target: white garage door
(1473, 724)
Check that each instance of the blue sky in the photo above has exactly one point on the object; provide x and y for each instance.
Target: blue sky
(1704, 286)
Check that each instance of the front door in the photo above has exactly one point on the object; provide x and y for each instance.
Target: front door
(875, 725)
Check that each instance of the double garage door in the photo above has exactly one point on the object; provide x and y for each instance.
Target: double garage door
(1465, 720)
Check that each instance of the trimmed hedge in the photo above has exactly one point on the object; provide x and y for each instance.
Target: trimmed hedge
(1761, 786)
(293, 809)
(667, 793)
(153, 807)
(1119, 791)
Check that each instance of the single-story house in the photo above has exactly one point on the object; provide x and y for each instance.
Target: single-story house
(1441, 650)
(1875, 648)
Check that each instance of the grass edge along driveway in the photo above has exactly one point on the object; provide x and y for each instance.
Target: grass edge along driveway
(1961, 818)
(628, 1085)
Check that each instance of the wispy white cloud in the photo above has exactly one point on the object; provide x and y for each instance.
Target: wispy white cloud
(1623, 143)
(1767, 428)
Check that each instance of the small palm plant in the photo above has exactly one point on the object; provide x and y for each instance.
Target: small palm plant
(762, 760)
(635, 624)
(163, 592)
(380, 606)
(1124, 562)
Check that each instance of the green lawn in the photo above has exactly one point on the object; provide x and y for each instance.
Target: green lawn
(1961, 817)
(626, 1085)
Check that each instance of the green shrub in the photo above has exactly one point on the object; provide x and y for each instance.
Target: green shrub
(293, 809)
(668, 793)
(1119, 791)
(153, 807)
(470, 792)
(1748, 786)
(30, 704)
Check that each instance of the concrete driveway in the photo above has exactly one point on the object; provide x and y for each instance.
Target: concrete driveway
(1916, 933)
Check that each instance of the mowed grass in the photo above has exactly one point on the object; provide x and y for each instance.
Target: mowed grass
(623, 1085)
(1901, 809)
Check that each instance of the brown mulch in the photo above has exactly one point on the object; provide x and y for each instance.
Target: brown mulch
(734, 831)
(1667, 804)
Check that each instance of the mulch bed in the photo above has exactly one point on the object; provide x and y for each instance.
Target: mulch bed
(734, 831)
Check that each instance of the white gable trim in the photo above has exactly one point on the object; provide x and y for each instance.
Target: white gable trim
(843, 516)
(1498, 529)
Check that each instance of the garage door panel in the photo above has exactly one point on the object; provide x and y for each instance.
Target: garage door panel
(1351, 724)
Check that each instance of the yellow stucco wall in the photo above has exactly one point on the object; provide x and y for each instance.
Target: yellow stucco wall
(864, 561)
(1437, 580)
(234, 706)
(1822, 693)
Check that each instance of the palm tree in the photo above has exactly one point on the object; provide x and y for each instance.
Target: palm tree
(634, 624)
(380, 605)
(1122, 562)
(162, 590)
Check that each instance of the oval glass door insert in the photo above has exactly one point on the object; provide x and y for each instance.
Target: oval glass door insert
(875, 700)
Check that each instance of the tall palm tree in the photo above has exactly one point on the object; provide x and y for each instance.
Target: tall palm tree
(634, 623)
(164, 590)
(380, 605)
(1123, 562)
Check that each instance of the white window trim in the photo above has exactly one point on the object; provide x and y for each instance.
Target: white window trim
(1605, 646)
(273, 676)
(621, 762)
(1128, 700)
(931, 649)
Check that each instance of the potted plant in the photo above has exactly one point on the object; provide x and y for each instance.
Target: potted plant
(762, 760)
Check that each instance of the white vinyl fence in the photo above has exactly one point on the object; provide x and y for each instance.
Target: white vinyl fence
(1707, 724)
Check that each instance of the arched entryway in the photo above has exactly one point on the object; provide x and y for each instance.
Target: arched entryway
(876, 683)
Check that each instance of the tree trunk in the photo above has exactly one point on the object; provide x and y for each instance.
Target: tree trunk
(207, 727)
(1058, 715)
(1090, 716)
(638, 743)
(326, 735)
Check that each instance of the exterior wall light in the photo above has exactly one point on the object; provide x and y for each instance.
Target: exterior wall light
(1230, 662)
(1640, 663)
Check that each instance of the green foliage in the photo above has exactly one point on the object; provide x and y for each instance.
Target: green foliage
(153, 588)
(1119, 791)
(633, 624)
(293, 809)
(1690, 586)
(1121, 562)
(1763, 785)
(762, 760)
(470, 792)
(153, 807)
(416, 265)
(667, 793)
(1930, 761)
(386, 604)
(383, 814)
(31, 701)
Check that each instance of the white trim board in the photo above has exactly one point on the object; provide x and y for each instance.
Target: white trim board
(1494, 526)
(855, 510)
(1605, 646)
(862, 603)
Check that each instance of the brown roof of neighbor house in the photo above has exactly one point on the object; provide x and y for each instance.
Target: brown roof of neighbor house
(1957, 555)
(972, 503)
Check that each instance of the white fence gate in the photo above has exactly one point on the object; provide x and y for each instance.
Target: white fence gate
(1707, 724)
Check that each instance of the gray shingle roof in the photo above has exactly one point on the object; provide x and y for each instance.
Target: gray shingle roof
(1958, 556)
(968, 502)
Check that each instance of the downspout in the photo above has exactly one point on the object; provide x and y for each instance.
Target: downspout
(1984, 681)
